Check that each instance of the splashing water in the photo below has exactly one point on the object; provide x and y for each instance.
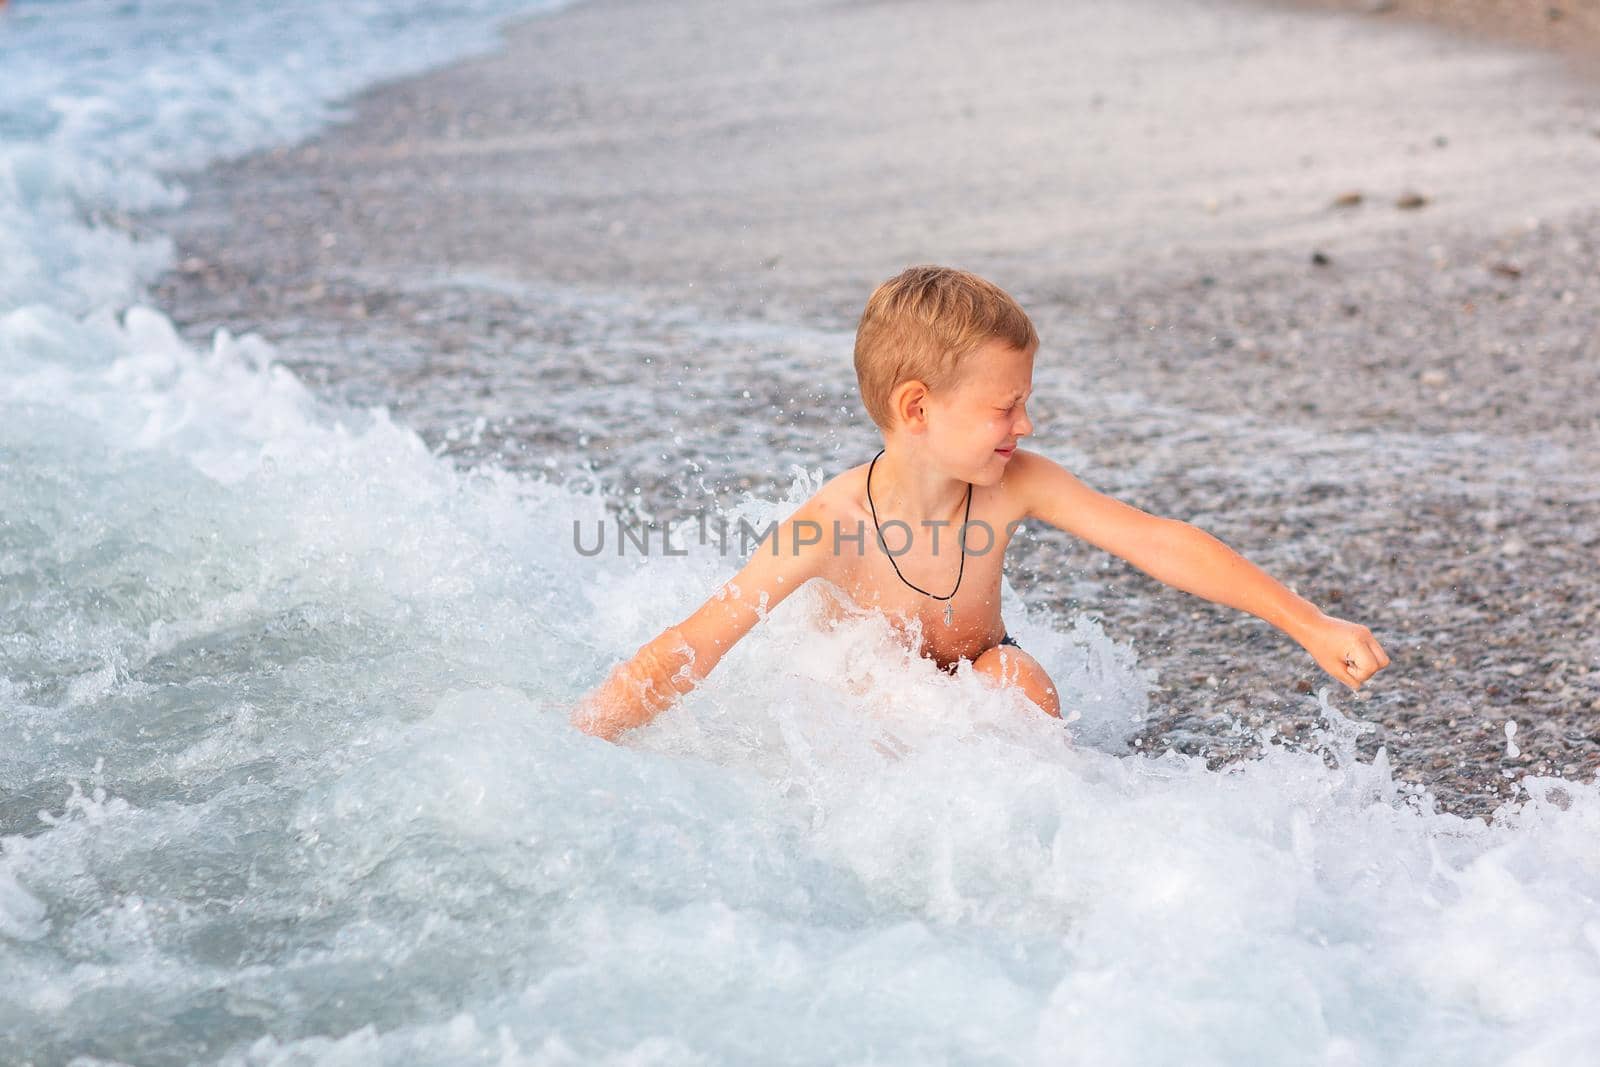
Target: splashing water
(286, 778)
(289, 779)
(101, 99)
(1512, 751)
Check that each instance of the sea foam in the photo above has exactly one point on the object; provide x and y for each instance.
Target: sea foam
(291, 781)
(288, 777)
(103, 102)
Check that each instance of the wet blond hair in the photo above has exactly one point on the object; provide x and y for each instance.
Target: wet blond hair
(923, 323)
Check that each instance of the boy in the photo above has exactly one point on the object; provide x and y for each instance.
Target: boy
(945, 364)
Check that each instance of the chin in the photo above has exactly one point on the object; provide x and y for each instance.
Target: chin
(989, 473)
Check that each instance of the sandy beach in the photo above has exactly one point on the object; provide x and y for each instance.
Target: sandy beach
(1320, 282)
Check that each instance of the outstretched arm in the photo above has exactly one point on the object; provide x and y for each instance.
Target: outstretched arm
(1186, 557)
(673, 663)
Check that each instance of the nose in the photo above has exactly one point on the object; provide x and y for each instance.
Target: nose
(1024, 425)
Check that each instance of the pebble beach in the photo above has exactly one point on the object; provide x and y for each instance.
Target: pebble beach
(1337, 309)
(331, 333)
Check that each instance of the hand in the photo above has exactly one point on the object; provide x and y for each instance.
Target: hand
(637, 689)
(587, 716)
(605, 712)
(1346, 650)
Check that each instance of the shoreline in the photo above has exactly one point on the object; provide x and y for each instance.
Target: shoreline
(1233, 350)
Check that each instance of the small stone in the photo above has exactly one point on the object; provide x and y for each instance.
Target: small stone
(1433, 378)
(1410, 201)
(1381, 7)
(1506, 270)
(1320, 258)
(1302, 686)
(1513, 546)
(1353, 197)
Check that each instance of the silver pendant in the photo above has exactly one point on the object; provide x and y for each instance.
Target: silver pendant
(949, 613)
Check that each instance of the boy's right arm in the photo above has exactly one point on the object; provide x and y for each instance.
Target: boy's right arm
(672, 663)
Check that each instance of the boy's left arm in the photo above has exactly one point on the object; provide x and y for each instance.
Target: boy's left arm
(1186, 557)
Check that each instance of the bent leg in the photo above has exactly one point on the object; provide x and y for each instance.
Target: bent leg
(1009, 665)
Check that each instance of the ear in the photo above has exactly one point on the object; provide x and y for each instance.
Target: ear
(908, 404)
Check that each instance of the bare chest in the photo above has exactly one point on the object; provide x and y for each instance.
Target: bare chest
(953, 595)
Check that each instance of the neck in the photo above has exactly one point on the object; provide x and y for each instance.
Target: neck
(907, 487)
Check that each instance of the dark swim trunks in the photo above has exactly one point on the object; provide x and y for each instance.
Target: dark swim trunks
(1006, 640)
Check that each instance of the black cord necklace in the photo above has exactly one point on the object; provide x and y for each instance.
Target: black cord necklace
(949, 612)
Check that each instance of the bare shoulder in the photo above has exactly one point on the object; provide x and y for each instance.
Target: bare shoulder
(1046, 490)
(1027, 477)
(1026, 462)
(808, 532)
(1040, 488)
(841, 496)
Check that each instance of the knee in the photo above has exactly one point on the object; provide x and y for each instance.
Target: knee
(1007, 665)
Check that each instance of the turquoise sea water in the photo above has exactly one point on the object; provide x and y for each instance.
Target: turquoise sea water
(286, 777)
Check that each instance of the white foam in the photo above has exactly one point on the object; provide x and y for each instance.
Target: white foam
(313, 681)
(328, 680)
(103, 100)
(22, 916)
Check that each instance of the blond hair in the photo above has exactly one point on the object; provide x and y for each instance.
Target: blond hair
(923, 323)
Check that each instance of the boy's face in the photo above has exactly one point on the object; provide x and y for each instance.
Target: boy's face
(974, 426)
